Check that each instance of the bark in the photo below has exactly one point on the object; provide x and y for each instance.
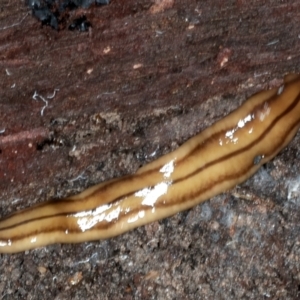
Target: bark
(78, 108)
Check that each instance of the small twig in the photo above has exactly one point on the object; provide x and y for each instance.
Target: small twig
(53, 94)
(36, 95)
(80, 176)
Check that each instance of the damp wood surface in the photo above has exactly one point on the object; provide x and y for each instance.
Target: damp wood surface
(143, 79)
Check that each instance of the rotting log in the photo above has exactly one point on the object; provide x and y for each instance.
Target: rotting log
(144, 78)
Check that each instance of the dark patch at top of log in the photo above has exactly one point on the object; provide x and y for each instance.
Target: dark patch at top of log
(55, 13)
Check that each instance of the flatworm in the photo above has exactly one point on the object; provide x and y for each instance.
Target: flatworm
(223, 155)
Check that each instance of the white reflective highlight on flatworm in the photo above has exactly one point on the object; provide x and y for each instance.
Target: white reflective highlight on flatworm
(243, 122)
(93, 212)
(265, 111)
(88, 219)
(139, 215)
(230, 133)
(33, 240)
(151, 195)
(4, 243)
(280, 89)
(168, 169)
